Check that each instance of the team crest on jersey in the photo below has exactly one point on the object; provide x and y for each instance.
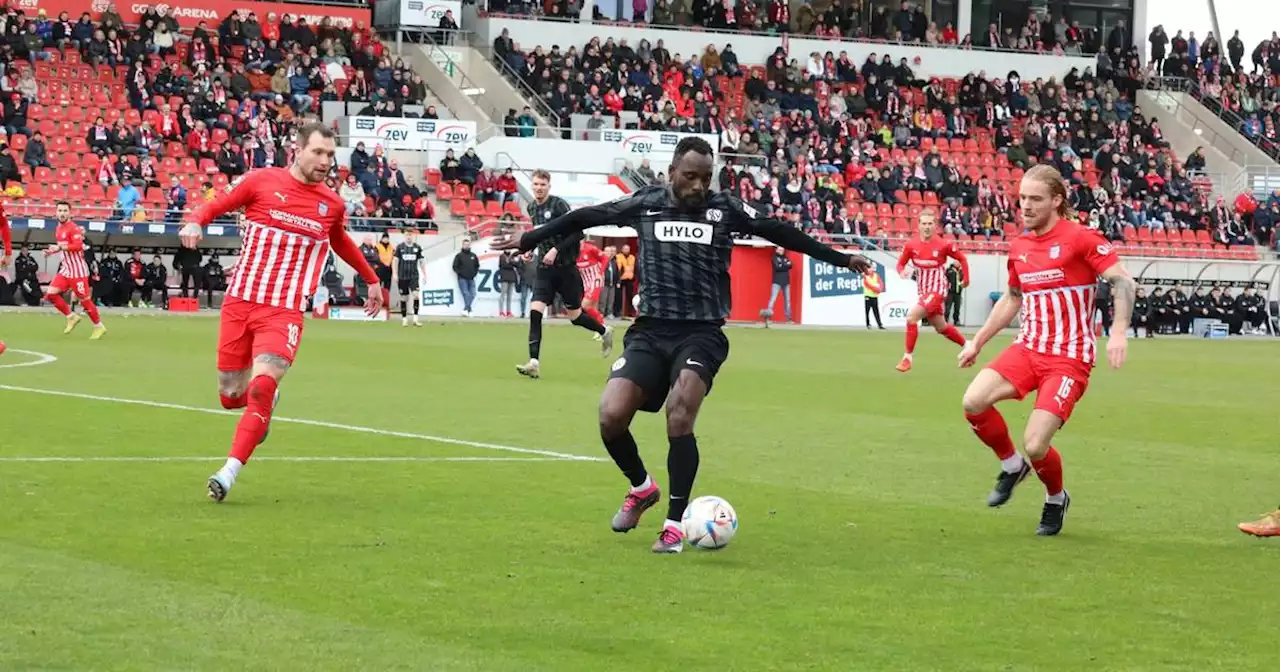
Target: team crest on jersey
(714, 215)
(1104, 250)
(323, 208)
(1055, 251)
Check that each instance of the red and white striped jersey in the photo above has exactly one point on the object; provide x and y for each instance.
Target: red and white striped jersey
(1058, 273)
(73, 264)
(288, 228)
(930, 259)
(591, 263)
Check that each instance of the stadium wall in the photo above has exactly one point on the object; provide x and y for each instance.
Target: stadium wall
(820, 294)
(190, 14)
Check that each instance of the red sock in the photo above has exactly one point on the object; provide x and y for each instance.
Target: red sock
(257, 416)
(92, 311)
(233, 402)
(595, 314)
(953, 334)
(1050, 471)
(992, 430)
(56, 300)
(913, 334)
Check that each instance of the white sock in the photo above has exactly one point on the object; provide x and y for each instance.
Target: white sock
(907, 356)
(232, 467)
(648, 483)
(1012, 465)
(533, 361)
(1060, 498)
(673, 523)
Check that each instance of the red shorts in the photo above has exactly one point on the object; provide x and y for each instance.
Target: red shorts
(251, 329)
(61, 284)
(592, 295)
(932, 303)
(1059, 382)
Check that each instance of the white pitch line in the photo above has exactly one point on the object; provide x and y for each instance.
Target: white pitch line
(283, 458)
(42, 358)
(312, 423)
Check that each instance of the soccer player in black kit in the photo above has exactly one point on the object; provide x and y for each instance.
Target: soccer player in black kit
(677, 345)
(557, 274)
(408, 272)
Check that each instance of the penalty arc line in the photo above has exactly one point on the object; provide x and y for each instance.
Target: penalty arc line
(313, 423)
(41, 359)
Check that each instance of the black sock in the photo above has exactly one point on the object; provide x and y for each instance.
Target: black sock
(682, 468)
(626, 455)
(404, 305)
(589, 323)
(535, 333)
(417, 305)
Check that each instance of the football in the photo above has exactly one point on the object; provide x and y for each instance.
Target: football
(709, 523)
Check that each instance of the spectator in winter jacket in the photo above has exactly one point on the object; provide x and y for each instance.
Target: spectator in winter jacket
(466, 265)
(469, 166)
(486, 188)
(506, 187)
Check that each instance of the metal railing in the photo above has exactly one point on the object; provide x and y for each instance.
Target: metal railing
(767, 34)
(1215, 107)
(457, 75)
(521, 86)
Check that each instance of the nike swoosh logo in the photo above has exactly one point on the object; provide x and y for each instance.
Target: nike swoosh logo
(690, 362)
(652, 212)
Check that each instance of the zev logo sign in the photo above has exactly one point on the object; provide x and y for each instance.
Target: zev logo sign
(453, 134)
(393, 132)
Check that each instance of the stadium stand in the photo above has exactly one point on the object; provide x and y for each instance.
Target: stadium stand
(92, 105)
(855, 150)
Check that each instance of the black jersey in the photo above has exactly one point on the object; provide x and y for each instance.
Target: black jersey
(541, 214)
(684, 256)
(407, 256)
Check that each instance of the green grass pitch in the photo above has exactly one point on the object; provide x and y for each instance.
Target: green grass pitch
(865, 542)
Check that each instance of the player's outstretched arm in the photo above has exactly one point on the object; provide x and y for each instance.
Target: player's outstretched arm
(963, 260)
(1001, 317)
(787, 236)
(574, 221)
(1124, 292)
(236, 198)
(348, 251)
(908, 251)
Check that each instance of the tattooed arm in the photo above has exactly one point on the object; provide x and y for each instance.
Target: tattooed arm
(1123, 291)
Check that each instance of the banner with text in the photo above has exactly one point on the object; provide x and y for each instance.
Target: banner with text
(427, 13)
(835, 296)
(656, 145)
(440, 294)
(190, 13)
(434, 136)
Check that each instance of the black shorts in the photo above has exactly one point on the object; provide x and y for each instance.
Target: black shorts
(563, 280)
(407, 285)
(656, 351)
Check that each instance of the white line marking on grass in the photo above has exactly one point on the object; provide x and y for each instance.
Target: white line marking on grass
(279, 458)
(42, 358)
(312, 423)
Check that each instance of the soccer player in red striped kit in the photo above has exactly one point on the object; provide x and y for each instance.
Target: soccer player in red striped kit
(929, 254)
(73, 273)
(1053, 271)
(591, 264)
(291, 222)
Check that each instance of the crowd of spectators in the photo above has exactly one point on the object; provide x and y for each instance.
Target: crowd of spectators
(1237, 84)
(834, 19)
(180, 113)
(846, 148)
